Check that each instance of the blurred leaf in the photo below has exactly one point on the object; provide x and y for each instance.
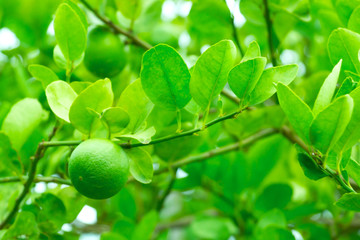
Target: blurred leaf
(298, 113)
(353, 23)
(60, 97)
(23, 118)
(70, 32)
(344, 44)
(143, 135)
(44, 74)
(274, 196)
(327, 90)
(97, 97)
(275, 218)
(265, 88)
(330, 124)
(252, 51)
(131, 9)
(134, 100)
(146, 226)
(79, 86)
(73, 202)
(24, 226)
(52, 213)
(311, 170)
(165, 77)
(141, 165)
(346, 87)
(212, 228)
(244, 77)
(115, 118)
(211, 71)
(349, 201)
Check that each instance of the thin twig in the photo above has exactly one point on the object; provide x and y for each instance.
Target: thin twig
(269, 30)
(117, 29)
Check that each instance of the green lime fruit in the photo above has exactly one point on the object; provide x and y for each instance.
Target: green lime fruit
(98, 168)
(104, 55)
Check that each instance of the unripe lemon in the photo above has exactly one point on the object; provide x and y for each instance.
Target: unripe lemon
(104, 55)
(98, 168)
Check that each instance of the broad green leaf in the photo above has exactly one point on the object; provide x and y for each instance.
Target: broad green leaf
(298, 113)
(165, 77)
(244, 77)
(193, 107)
(273, 217)
(135, 102)
(146, 227)
(79, 86)
(211, 71)
(353, 23)
(346, 87)
(212, 228)
(142, 135)
(253, 51)
(141, 165)
(60, 97)
(24, 226)
(327, 90)
(23, 118)
(353, 168)
(311, 170)
(330, 124)
(9, 159)
(73, 202)
(61, 61)
(51, 214)
(349, 201)
(96, 97)
(115, 118)
(70, 32)
(78, 11)
(44, 74)
(351, 134)
(276, 195)
(344, 44)
(131, 9)
(265, 88)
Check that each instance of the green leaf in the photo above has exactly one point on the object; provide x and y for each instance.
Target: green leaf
(131, 9)
(23, 118)
(116, 119)
(274, 196)
(70, 32)
(165, 77)
(351, 134)
(211, 71)
(141, 165)
(265, 88)
(142, 135)
(327, 90)
(43, 74)
(135, 102)
(349, 201)
(79, 86)
(330, 124)
(273, 217)
(60, 97)
(298, 113)
(311, 170)
(243, 78)
(344, 44)
(353, 168)
(212, 228)
(97, 97)
(52, 213)
(253, 51)
(146, 226)
(61, 61)
(353, 23)
(9, 159)
(24, 226)
(346, 87)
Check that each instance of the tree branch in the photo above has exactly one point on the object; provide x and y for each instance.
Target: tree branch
(269, 30)
(117, 29)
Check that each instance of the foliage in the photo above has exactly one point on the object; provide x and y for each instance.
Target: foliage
(225, 119)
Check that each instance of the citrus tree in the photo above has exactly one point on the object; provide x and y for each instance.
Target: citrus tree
(179, 119)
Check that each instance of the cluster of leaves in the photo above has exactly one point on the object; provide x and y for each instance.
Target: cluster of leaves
(181, 117)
